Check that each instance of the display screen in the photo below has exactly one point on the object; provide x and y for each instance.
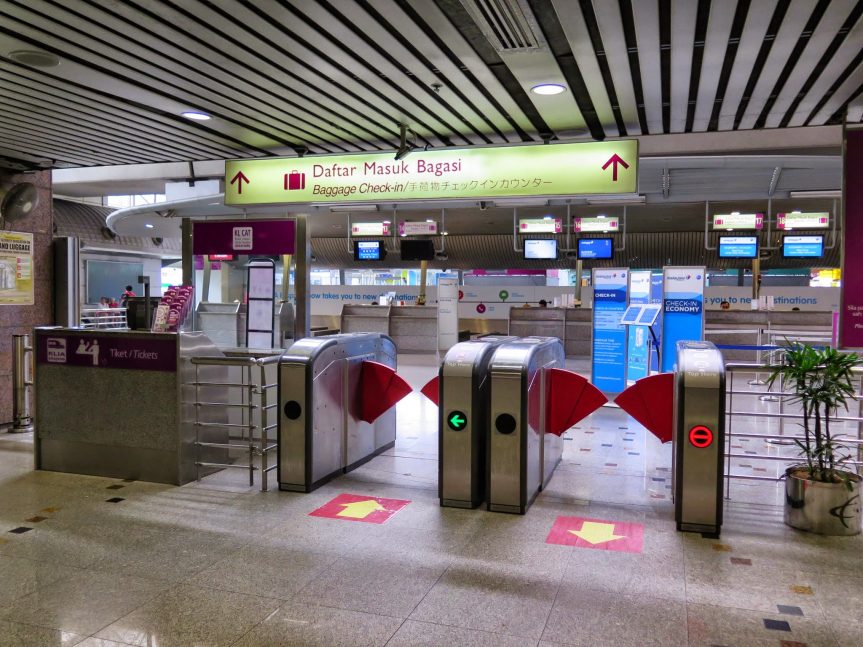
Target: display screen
(631, 314)
(738, 247)
(649, 313)
(540, 249)
(803, 246)
(369, 250)
(594, 248)
(417, 250)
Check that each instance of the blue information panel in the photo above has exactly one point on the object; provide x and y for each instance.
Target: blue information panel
(656, 297)
(682, 310)
(595, 248)
(608, 370)
(803, 246)
(637, 336)
(738, 246)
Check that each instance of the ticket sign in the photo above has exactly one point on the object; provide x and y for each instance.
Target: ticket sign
(417, 228)
(798, 220)
(587, 168)
(732, 221)
(370, 229)
(600, 223)
(540, 226)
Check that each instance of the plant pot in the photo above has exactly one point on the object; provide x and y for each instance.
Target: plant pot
(823, 508)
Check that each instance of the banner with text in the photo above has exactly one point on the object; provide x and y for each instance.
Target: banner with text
(252, 237)
(851, 317)
(682, 310)
(637, 336)
(608, 350)
(16, 268)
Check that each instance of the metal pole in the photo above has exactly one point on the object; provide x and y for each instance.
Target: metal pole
(421, 299)
(22, 381)
(188, 257)
(302, 265)
(264, 424)
(578, 270)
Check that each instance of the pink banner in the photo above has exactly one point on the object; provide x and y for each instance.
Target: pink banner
(851, 324)
(251, 237)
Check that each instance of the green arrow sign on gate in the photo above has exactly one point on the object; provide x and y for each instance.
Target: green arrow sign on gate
(456, 420)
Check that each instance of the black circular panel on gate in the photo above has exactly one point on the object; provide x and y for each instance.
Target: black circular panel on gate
(456, 420)
(505, 423)
(293, 410)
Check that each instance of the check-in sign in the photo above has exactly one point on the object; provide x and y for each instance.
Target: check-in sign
(732, 221)
(798, 220)
(417, 229)
(370, 229)
(596, 224)
(588, 168)
(540, 226)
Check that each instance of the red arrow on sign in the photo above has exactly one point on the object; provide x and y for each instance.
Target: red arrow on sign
(613, 161)
(240, 177)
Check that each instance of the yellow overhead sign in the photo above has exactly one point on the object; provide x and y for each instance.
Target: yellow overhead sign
(552, 170)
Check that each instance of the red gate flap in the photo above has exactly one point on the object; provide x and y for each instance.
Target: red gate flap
(432, 390)
(571, 399)
(651, 401)
(380, 389)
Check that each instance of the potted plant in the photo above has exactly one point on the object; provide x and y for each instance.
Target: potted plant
(822, 494)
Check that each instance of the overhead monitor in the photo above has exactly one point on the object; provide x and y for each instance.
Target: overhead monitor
(540, 249)
(649, 314)
(595, 248)
(630, 316)
(417, 250)
(738, 247)
(803, 246)
(369, 250)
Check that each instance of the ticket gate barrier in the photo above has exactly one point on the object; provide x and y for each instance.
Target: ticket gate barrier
(461, 392)
(699, 439)
(336, 397)
(532, 401)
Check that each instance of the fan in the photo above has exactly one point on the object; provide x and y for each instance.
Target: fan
(18, 201)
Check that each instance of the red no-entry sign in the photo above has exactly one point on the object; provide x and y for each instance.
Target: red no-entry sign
(701, 436)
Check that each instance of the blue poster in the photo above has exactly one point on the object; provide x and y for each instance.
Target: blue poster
(656, 297)
(637, 336)
(682, 310)
(608, 352)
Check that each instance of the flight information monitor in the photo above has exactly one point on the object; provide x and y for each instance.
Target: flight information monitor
(738, 247)
(540, 249)
(369, 250)
(803, 246)
(595, 248)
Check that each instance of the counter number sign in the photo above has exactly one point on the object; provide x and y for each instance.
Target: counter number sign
(456, 420)
(700, 436)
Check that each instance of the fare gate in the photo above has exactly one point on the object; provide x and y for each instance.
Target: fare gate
(699, 439)
(336, 396)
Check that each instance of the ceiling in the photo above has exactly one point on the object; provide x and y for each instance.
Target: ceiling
(318, 76)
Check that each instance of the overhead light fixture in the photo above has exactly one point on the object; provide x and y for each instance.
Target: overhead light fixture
(520, 202)
(352, 207)
(735, 213)
(405, 146)
(429, 220)
(35, 58)
(445, 233)
(815, 194)
(548, 88)
(149, 225)
(194, 115)
(602, 215)
(615, 200)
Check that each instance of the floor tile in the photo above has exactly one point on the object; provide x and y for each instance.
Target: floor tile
(20, 577)
(315, 626)
(187, 615)
(424, 634)
(15, 634)
(712, 625)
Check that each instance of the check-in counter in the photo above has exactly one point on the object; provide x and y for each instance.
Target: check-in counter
(579, 332)
(223, 323)
(763, 328)
(121, 403)
(413, 329)
(537, 322)
(365, 318)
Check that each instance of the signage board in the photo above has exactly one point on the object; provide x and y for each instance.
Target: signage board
(540, 226)
(656, 299)
(424, 228)
(637, 335)
(798, 220)
(370, 229)
(16, 268)
(608, 349)
(252, 237)
(587, 168)
(600, 223)
(851, 299)
(106, 350)
(733, 221)
(682, 310)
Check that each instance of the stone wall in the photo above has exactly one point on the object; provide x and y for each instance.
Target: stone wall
(21, 319)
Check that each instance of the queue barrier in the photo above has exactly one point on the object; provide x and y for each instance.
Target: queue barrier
(336, 396)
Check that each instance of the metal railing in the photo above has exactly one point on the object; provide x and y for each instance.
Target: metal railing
(22, 384)
(257, 414)
(785, 412)
(112, 318)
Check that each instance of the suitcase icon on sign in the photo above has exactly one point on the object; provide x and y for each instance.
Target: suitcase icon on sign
(295, 181)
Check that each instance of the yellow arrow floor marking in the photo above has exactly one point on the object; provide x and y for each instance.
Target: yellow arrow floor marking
(596, 533)
(360, 509)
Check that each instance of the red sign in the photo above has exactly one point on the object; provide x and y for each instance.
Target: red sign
(701, 436)
(599, 534)
(354, 507)
(220, 257)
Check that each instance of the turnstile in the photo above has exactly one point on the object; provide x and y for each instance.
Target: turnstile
(321, 402)
(699, 437)
(463, 421)
(521, 454)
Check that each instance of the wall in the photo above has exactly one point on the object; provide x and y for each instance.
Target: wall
(152, 268)
(21, 319)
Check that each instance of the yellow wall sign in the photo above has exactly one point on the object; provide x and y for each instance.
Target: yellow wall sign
(590, 168)
(16, 268)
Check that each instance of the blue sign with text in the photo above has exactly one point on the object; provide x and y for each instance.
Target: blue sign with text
(608, 352)
(656, 297)
(682, 310)
(637, 336)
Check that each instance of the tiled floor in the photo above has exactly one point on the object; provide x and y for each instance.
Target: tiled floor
(218, 563)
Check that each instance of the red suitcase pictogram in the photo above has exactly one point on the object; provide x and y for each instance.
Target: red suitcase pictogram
(295, 181)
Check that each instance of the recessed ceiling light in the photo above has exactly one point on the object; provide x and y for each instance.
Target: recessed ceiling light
(35, 58)
(149, 226)
(445, 233)
(196, 116)
(429, 220)
(548, 88)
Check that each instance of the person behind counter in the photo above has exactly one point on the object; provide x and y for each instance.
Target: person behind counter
(126, 294)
